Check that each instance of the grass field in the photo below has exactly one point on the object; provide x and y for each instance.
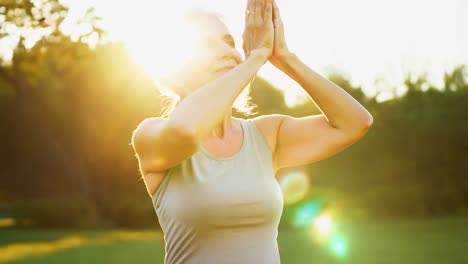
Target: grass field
(404, 241)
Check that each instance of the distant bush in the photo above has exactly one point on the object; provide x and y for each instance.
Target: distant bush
(129, 210)
(59, 211)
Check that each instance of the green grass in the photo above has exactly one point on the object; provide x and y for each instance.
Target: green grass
(403, 241)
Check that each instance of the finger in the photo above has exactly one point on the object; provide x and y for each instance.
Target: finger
(245, 49)
(251, 5)
(250, 8)
(245, 43)
(258, 12)
(268, 11)
(276, 14)
(263, 9)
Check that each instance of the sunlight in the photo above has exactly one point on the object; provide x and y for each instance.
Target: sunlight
(158, 38)
(23, 250)
(323, 224)
(360, 38)
(162, 58)
(7, 222)
(294, 186)
(158, 41)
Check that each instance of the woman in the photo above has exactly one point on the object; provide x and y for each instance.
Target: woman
(212, 176)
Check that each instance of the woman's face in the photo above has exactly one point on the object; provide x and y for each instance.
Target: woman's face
(214, 55)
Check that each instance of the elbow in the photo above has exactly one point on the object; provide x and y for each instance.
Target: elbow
(184, 134)
(363, 120)
(360, 128)
(368, 121)
(366, 124)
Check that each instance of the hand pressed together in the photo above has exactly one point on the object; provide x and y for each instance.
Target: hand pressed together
(264, 30)
(280, 49)
(258, 34)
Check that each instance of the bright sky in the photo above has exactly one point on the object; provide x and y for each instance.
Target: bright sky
(365, 39)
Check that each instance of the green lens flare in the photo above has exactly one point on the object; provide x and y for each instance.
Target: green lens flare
(306, 214)
(339, 247)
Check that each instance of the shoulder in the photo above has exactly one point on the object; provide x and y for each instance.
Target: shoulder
(144, 131)
(150, 121)
(269, 125)
(147, 125)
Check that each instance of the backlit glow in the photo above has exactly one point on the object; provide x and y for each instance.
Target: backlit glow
(323, 224)
(294, 187)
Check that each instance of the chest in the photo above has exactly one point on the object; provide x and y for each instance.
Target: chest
(232, 142)
(242, 193)
(226, 147)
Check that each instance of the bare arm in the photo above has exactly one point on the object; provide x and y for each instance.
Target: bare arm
(163, 143)
(305, 140)
(208, 105)
(340, 109)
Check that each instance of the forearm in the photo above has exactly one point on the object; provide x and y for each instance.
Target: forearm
(202, 109)
(340, 108)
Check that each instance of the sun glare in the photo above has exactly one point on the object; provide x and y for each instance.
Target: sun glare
(158, 47)
(157, 38)
(160, 57)
(385, 49)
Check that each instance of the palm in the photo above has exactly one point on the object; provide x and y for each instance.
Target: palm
(279, 45)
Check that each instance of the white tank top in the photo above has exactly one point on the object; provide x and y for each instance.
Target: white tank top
(222, 210)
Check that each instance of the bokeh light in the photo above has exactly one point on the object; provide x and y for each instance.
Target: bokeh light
(294, 186)
(339, 247)
(305, 214)
(323, 224)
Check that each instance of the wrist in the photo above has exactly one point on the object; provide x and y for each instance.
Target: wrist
(283, 59)
(260, 54)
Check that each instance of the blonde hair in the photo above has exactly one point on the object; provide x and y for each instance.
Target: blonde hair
(171, 96)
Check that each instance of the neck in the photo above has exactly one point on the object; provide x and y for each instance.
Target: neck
(219, 130)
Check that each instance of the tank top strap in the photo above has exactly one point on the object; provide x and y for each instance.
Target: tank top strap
(254, 140)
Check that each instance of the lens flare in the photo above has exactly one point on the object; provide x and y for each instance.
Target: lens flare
(306, 214)
(294, 187)
(339, 247)
(323, 224)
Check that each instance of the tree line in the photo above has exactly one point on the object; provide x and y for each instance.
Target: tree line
(68, 110)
